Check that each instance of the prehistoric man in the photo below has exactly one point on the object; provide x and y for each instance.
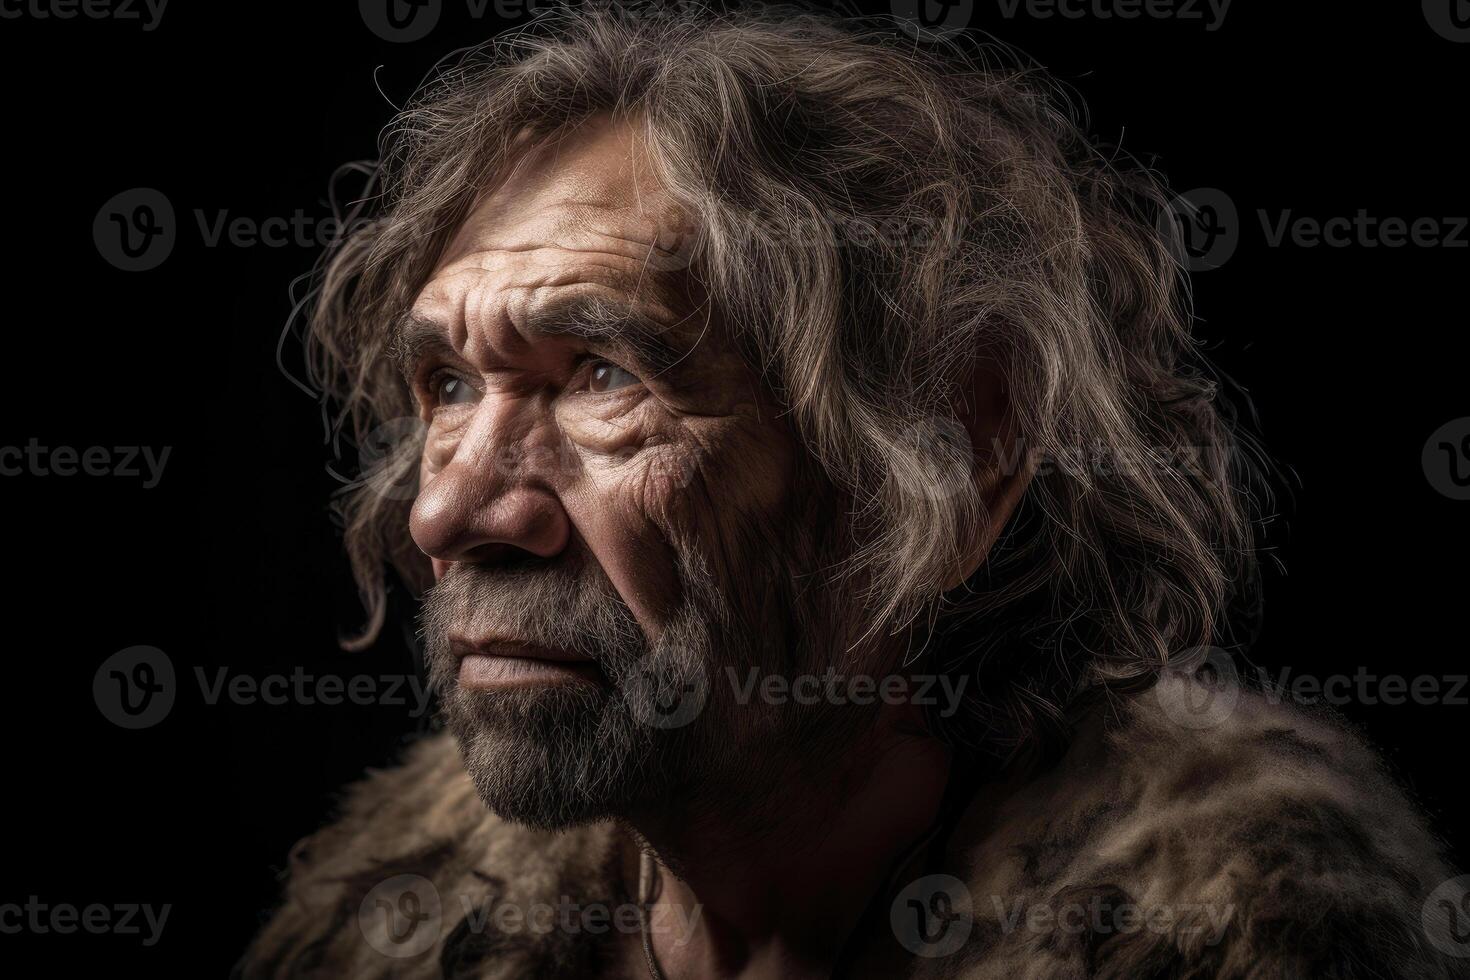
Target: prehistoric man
(819, 512)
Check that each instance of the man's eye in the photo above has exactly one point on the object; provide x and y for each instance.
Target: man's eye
(607, 376)
(453, 391)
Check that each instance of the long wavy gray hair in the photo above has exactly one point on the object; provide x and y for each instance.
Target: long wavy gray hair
(987, 225)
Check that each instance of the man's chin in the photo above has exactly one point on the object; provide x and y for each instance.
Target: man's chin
(552, 757)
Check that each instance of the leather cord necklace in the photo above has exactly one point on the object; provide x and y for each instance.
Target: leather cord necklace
(649, 881)
(648, 889)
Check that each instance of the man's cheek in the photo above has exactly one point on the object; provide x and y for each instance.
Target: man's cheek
(620, 514)
(708, 482)
(644, 458)
(650, 482)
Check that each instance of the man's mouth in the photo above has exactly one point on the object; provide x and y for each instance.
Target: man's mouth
(493, 664)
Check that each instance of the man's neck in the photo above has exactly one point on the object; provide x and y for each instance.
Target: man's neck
(783, 906)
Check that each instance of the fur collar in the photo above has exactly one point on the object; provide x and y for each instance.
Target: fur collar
(1270, 844)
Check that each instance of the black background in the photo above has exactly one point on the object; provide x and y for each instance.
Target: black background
(1353, 357)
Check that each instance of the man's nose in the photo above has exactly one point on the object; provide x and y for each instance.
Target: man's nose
(492, 500)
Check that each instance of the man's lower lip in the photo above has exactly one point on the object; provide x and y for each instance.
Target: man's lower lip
(483, 672)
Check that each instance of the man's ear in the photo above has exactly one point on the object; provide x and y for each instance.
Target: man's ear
(1003, 465)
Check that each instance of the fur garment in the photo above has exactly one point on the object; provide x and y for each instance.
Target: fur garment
(1270, 845)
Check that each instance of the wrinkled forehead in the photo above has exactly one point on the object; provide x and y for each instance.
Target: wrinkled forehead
(591, 188)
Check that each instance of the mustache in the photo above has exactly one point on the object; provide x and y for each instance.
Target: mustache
(574, 607)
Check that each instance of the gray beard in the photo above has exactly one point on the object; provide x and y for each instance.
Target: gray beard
(667, 736)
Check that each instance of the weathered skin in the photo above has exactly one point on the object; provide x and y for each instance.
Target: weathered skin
(611, 467)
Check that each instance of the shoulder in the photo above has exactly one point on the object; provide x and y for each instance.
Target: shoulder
(1247, 839)
(417, 878)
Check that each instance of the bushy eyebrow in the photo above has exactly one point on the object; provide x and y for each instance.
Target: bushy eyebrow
(599, 320)
(594, 319)
(415, 338)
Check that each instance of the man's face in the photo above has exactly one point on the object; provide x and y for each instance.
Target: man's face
(615, 512)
